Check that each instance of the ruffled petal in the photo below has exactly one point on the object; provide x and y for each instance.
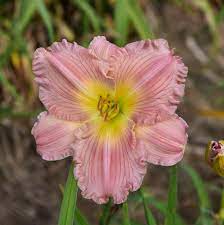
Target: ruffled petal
(103, 48)
(155, 76)
(106, 166)
(53, 137)
(162, 143)
(63, 72)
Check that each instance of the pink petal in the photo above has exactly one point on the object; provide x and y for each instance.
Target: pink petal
(163, 143)
(103, 48)
(62, 72)
(107, 168)
(155, 75)
(53, 137)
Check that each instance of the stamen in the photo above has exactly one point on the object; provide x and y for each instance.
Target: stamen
(108, 108)
(99, 103)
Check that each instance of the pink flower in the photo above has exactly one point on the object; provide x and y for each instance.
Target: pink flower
(112, 109)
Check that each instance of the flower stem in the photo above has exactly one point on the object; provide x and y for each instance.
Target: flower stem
(67, 211)
(221, 211)
(104, 219)
(172, 197)
(125, 214)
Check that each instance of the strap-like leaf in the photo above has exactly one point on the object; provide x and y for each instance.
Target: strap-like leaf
(42, 9)
(67, 212)
(90, 13)
(121, 19)
(138, 19)
(80, 219)
(148, 214)
(205, 206)
(172, 197)
(125, 214)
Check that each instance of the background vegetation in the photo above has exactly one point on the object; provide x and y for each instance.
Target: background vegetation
(30, 189)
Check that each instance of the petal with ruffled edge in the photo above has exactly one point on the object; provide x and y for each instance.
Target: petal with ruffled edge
(162, 143)
(154, 75)
(103, 48)
(107, 167)
(53, 137)
(63, 72)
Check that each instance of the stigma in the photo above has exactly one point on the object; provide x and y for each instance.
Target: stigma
(107, 107)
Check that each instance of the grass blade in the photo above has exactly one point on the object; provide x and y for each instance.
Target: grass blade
(121, 22)
(148, 214)
(125, 214)
(221, 210)
(205, 206)
(138, 19)
(90, 13)
(199, 186)
(162, 207)
(26, 12)
(80, 218)
(68, 206)
(7, 112)
(206, 7)
(106, 213)
(9, 87)
(42, 9)
(172, 197)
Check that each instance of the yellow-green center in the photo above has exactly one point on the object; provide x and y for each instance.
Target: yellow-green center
(107, 107)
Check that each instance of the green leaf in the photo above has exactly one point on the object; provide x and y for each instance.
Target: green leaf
(220, 15)
(125, 214)
(199, 186)
(138, 19)
(9, 87)
(7, 112)
(134, 222)
(206, 7)
(172, 197)
(42, 9)
(205, 206)
(161, 206)
(121, 18)
(80, 218)
(90, 13)
(26, 12)
(68, 206)
(106, 213)
(148, 214)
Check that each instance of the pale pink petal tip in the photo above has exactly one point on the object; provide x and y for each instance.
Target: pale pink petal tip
(107, 170)
(148, 45)
(102, 48)
(163, 143)
(53, 137)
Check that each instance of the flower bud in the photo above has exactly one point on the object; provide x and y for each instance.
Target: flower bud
(214, 155)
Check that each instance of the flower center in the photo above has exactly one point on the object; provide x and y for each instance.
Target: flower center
(107, 107)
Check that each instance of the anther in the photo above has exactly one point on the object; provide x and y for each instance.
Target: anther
(108, 108)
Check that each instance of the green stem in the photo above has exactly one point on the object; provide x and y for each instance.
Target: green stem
(221, 211)
(172, 197)
(125, 214)
(67, 212)
(104, 219)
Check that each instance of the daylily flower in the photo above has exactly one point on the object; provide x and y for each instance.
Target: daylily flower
(112, 109)
(214, 155)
